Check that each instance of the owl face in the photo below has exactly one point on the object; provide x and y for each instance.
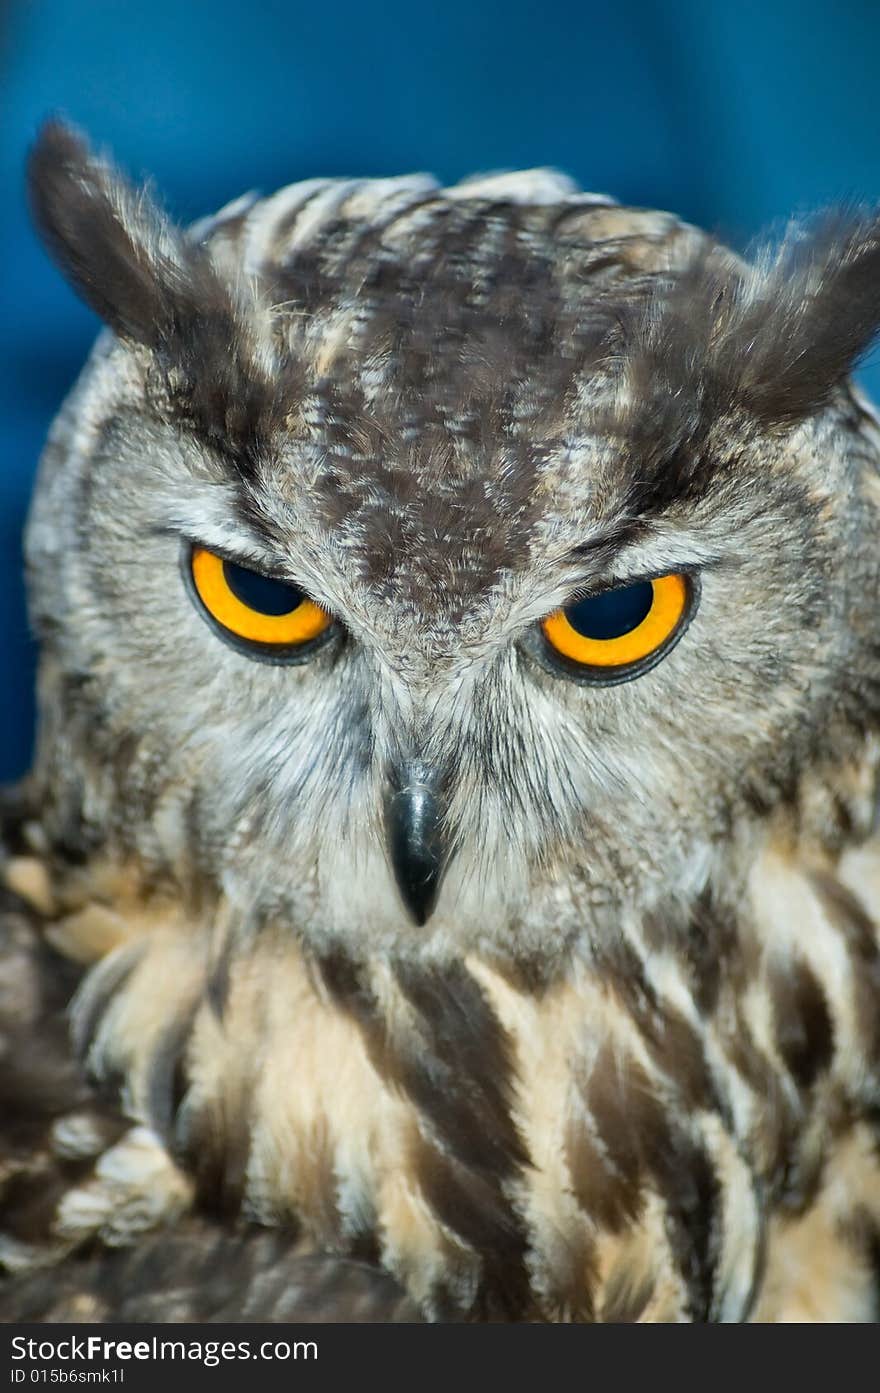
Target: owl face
(448, 568)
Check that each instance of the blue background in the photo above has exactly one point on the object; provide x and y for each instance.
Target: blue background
(732, 114)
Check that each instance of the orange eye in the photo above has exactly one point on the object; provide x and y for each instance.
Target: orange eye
(621, 632)
(270, 615)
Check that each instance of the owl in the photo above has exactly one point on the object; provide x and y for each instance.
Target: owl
(447, 886)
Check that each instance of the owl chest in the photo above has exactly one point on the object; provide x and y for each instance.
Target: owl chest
(600, 1149)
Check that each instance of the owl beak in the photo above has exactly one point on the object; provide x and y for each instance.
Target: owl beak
(414, 837)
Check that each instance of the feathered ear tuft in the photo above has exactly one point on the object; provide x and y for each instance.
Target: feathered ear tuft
(801, 317)
(111, 241)
(156, 287)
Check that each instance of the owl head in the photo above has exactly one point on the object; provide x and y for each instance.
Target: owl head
(452, 569)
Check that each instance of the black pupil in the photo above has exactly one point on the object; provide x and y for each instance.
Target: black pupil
(262, 593)
(612, 614)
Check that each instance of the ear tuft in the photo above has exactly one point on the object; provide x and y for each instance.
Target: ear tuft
(803, 316)
(111, 241)
(155, 287)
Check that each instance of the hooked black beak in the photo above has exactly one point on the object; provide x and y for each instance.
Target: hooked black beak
(413, 832)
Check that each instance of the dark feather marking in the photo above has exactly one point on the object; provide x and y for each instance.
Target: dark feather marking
(364, 246)
(692, 1191)
(781, 1121)
(213, 1143)
(859, 932)
(455, 1066)
(219, 980)
(30, 1200)
(18, 806)
(608, 1180)
(463, 1085)
(710, 948)
(704, 942)
(645, 1141)
(459, 1072)
(804, 1031)
(99, 990)
(469, 1202)
(674, 1043)
(166, 1072)
(530, 974)
(770, 787)
(711, 951)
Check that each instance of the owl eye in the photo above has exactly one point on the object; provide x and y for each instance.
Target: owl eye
(620, 633)
(265, 617)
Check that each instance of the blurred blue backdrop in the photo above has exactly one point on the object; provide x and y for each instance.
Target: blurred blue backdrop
(732, 114)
